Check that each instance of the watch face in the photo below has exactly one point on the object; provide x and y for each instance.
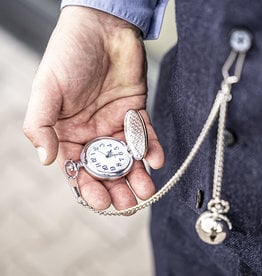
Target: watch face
(106, 158)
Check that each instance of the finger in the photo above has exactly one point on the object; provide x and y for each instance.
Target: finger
(42, 113)
(92, 190)
(140, 181)
(121, 195)
(155, 154)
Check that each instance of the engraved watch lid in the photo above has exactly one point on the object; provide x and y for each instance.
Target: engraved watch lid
(135, 134)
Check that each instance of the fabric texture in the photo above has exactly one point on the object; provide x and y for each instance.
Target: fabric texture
(189, 80)
(147, 15)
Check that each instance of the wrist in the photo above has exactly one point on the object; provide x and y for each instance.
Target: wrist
(91, 18)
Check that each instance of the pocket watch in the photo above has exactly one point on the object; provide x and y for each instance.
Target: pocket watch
(108, 158)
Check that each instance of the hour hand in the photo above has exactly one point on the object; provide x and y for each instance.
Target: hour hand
(109, 154)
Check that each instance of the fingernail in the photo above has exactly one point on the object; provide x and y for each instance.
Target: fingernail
(42, 154)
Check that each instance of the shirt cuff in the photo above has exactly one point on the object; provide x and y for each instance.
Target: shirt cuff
(147, 15)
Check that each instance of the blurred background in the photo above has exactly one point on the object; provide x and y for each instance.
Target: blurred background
(43, 231)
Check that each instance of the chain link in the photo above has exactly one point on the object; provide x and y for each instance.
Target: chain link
(219, 159)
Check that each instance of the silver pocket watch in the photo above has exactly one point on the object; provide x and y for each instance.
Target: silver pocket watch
(108, 158)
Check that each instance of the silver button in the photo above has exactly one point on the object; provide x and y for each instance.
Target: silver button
(241, 40)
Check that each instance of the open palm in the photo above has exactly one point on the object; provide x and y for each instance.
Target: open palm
(92, 72)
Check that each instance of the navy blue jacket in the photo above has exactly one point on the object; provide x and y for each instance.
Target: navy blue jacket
(189, 80)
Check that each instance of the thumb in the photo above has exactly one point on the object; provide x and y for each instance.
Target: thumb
(42, 114)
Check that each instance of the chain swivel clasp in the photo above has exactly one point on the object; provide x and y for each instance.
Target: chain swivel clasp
(71, 169)
(240, 42)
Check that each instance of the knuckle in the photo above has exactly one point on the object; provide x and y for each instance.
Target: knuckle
(28, 130)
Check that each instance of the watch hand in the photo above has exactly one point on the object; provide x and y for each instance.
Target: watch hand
(102, 153)
(109, 154)
(115, 154)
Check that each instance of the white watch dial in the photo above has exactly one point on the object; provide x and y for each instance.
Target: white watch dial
(106, 158)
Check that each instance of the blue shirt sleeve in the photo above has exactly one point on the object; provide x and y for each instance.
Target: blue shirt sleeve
(147, 15)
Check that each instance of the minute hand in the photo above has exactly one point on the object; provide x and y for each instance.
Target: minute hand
(103, 153)
(110, 154)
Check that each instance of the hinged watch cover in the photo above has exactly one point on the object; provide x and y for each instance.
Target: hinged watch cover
(135, 134)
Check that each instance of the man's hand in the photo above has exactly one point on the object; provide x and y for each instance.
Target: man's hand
(93, 71)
